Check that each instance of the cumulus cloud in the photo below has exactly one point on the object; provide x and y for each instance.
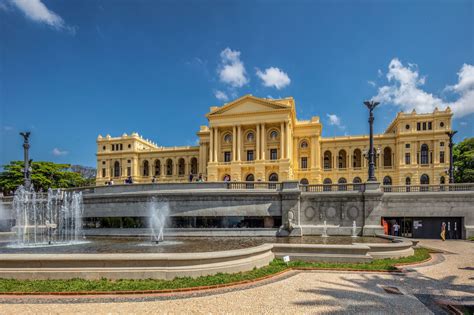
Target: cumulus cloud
(335, 120)
(221, 96)
(231, 69)
(58, 152)
(405, 90)
(37, 11)
(274, 77)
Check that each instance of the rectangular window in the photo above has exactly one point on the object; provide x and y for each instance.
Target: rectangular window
(407, 159)
(129, 171)
(121, 146)
(418, 126)
(113, 147)
(441, 157)
(407, 146)
(441, 144)
(273, 154)
(103, 172)
(227, 156)
(429, 125)
(250, 155)
(424, 125)
(304, 162)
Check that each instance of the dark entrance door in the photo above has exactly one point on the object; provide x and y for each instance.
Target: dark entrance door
(431, 228)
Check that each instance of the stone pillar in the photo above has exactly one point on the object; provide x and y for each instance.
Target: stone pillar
(239, 143)
(234, 143)
(282, 140)
(264, 143)
(211, 144)
(216, 145)
(287, 146)
(317, 153)
(258, 140)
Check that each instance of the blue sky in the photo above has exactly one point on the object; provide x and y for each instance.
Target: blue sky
(70, 70)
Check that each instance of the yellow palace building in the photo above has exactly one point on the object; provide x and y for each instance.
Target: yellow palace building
(259, 139)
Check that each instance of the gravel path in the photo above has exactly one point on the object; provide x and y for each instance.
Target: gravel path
(450, 277)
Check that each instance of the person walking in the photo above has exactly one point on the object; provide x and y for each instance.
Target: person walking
(443, 231)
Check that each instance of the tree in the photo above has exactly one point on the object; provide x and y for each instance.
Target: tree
(44, 175)
(463, 154)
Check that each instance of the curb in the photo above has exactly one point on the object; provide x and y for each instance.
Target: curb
(191, 289)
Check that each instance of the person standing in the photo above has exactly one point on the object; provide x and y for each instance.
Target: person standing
(396, 228)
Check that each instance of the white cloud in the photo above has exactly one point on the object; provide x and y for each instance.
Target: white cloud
(379, 73)
(58, 152)
(406, 93)
(231, 70)
(36, 11)
(274, 77)
(463, 123)
(221, 96)
(372, 83)
(335, 120)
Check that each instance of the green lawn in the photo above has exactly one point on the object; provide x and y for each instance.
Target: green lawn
(76, 285)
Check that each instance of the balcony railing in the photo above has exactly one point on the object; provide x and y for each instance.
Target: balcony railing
(428, 188)
(332, 187)
(254, 185)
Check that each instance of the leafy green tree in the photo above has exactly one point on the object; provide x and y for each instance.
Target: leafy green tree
(44, 175)
(463, 154)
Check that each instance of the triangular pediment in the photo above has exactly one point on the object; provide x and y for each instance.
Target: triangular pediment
(248, 104)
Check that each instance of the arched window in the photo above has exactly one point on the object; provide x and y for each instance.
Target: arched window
(181, 166)
(442, 180)
(304, 144)
(194, 166)
(387, 181)
(274, 135)
(424, 179)
(250, 178)
(342, 184)
(228, 138)
(357, 159)
(357, 181)
(327, 184)
(424, 154)
(169, 167)
(304, 181)
(157, 168)
(341, 159)
(250, 137)
(327, 160)
(146, 168)
(387, 157)
(273, 177)
(408, 183)
(117, 169)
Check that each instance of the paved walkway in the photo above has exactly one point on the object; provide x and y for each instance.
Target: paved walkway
(450, 276)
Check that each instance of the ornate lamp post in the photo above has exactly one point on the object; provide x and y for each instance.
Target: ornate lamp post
(371, 105)
(451, 159)
(27, 168)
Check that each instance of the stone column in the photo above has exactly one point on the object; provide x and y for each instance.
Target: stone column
(257, 139)
(239, 143)
(264, 140)
(234, 144)
(313, 152)
(211, 144)
(216, 145)
(282, 140)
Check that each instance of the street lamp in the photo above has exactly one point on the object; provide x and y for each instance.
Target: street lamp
(451, 159)
(27, 168)
(371, 105)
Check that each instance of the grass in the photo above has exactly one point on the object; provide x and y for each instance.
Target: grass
(277, 265)
(471, 239)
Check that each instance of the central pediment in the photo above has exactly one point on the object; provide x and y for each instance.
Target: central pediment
(248, 104)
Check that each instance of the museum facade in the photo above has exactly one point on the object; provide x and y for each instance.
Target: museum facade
(259, 139)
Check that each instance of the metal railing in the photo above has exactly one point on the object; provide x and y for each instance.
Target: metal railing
(428, 188)
(332, 187)
(254, 185)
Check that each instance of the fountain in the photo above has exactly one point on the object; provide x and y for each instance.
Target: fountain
(52, 218)
(325, 230)
(159, 212)
(354, 229)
